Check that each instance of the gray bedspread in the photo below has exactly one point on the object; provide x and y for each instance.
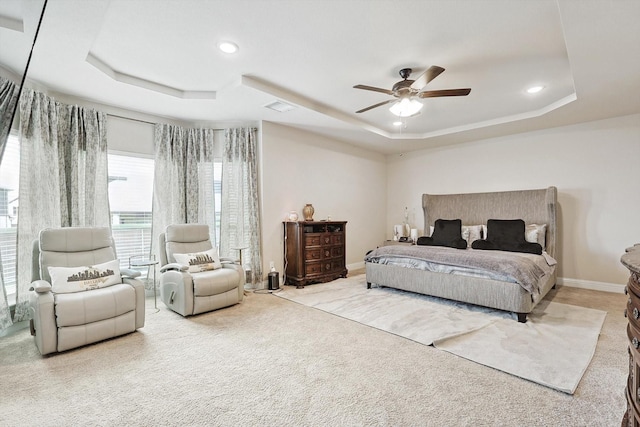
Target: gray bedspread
(524, 269)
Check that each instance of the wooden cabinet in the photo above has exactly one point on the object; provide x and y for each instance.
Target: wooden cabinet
(314, 251)
(631, 260)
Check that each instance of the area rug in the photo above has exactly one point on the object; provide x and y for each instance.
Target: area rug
(554, 347)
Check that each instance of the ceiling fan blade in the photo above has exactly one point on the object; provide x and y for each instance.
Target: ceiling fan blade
(379, 104)
(375, 89)
(445, 92)
(424, 78)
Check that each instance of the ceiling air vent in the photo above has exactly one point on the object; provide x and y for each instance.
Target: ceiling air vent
(279, 106)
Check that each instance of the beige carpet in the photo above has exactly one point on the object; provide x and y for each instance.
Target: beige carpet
(553, 348)
(269, 361)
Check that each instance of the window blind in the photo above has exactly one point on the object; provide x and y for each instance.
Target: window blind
(130, 200)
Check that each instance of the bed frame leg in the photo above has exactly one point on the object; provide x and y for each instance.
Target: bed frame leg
(522, 317)
(368, 285)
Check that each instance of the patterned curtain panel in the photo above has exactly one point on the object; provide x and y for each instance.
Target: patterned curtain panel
(240, 213)
(82, 160)
(183, 179)
(8, 98)
(63, 176)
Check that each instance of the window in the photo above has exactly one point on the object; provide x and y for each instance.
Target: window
(217, 195)
(9, 178)
(131, 201)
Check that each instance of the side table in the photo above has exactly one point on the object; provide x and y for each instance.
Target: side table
(247, 273)
(138, 261)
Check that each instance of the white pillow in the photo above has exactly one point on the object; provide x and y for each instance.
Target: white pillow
(535, 233)
(201, 261)
(466, 230)
(475, 233)
(77, 279)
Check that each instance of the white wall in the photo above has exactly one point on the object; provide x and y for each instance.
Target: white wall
(340, 180)
(595, 166)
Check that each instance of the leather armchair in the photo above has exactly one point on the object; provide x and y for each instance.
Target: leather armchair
(63, 319)
(189, 293)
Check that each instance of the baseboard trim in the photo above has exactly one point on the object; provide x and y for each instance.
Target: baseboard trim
(589, 284)
(355, 266)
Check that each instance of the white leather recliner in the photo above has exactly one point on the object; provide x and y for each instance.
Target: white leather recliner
(79, 295)
(193, 280)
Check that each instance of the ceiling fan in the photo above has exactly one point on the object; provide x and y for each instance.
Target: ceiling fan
(406, 91)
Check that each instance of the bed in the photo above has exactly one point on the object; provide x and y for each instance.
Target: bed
(402, 267)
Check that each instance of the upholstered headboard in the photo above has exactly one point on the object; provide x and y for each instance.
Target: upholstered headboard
(533, 206)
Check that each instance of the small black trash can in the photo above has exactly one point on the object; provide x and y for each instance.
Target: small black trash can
(274, 280)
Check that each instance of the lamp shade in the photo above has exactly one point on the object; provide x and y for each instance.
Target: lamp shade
(406, 107)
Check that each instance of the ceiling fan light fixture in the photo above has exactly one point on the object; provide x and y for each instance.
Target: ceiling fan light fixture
(406, 107)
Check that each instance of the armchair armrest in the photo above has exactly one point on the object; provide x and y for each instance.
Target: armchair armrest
(227, 260)
(40, 286)
(129, 273)
(173, 266)
(126, 272)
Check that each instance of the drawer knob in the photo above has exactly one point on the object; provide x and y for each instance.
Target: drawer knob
(636, 313)
(635, 343)
(326, 240)
(326, 253)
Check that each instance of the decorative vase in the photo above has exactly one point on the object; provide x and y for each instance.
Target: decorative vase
(308, 211)
(293, 216)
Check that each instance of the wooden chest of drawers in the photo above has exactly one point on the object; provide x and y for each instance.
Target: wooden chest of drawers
(314, 251)
(631, 260)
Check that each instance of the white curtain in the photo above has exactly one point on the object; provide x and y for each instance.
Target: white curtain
(8, 98)
(183, 179)
(63, 176)
(240, 213)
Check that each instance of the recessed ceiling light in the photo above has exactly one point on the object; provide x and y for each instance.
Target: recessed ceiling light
(228, 47)
(535, 89)
(398, 123)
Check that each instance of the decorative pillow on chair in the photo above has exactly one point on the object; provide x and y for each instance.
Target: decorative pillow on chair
(201, 261)
(507, 235)
(446, 232)
(77, 279)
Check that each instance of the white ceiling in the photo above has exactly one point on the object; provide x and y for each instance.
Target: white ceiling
(131, 53)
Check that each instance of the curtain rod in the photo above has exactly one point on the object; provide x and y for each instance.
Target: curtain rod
(142, 121)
